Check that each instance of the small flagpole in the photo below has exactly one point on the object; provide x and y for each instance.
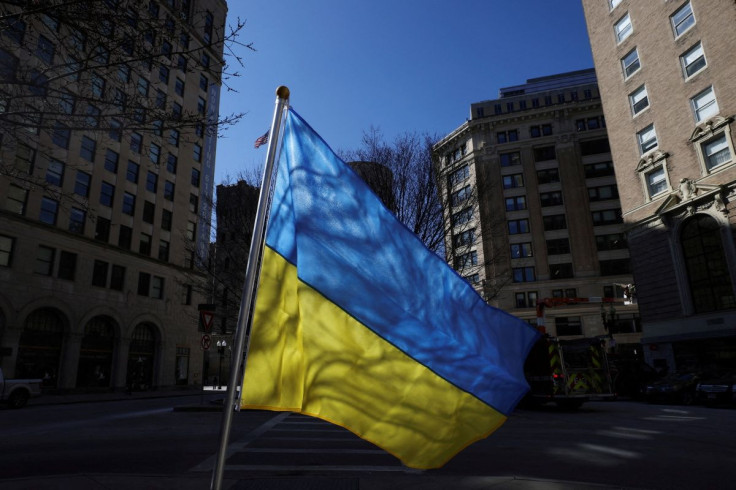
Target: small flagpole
(249, 287)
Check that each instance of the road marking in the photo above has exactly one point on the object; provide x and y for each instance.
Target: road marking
(244, 467)
(622, 453)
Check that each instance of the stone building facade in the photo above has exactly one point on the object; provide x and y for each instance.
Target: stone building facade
(102, 223)
(531, 202)
(668, 86)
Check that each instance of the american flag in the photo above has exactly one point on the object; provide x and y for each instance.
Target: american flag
(262, 140)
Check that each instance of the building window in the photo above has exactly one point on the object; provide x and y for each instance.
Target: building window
(144, 245)
(116, 130)
(693, 61)
(600, 169)
(568, 325)
(171, 163)
(464, 238)
(102, 229)
(544, 153)
(125, 237)
(77, 218)
(169, 190)
(553, 198)
(682, 20)
(554, 222)
(459, 175)
(193, 203)
(705, 261)
(154, 153)
(132, 172)
(460, 196)
(107, 193)
(163, 250)
(60, 135)
(144, 283)
(512, 181)
(623, 28)
(163, 74)
(17, 199)
(157, 287)
(526, 300)
(647, 138)
(630, 63)
(55, 172)
(656, 181)
(197, 152)
(639, 100)
(136, 142)
(149, 211)
(174, 137)
(603, 193)
(561, 271)
(195, 177)
(558, 246)
(607, 217)
(44, 264)
(166, 218)
(615, 267)
(466, 260)
(518, 226)
(67, 265)
(704, 105)
(87, 149)
(6, 250)
(521, 250)
(179, 87)
(565, 293)
(548, 176)
(523, 274)
(613, 241)
(509, 159)
(191, 230)
(516, 203)
(716, 152)
(128, 203)
(45, 50)
(151, 182)
(117, 277)
(49, 211)
(459, 218)
(203, 82)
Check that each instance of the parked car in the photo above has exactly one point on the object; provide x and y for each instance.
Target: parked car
(673, 388)
(719, 389)
(16, 392)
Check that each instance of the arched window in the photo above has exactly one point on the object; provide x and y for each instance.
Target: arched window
(707, 269)
(39, 351)
(95, 357)
(141, 357)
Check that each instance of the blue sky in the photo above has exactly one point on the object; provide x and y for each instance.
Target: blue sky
(400, 65)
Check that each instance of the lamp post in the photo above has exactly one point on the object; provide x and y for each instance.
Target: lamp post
(221, 345)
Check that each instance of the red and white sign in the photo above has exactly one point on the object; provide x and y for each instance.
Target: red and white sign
(207, 319)
(206, 341)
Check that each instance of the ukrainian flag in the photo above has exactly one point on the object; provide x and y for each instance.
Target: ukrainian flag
(357, 323)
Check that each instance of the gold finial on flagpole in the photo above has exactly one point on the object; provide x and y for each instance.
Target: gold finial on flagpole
(283, 92)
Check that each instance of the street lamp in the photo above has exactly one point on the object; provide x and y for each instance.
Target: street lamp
(221, 344)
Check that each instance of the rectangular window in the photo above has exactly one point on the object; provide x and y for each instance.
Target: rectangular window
(693, 61)
(195, 177)
(132, 173)
(197, 152)
(544, 153)
(600, 169)
(603, 193)
(49, 211)
(623, 28)
(558, 246)
(107, 193)
(154, 153)
(166, 218)
(460, 196)
(45, 50)
(639, 100)
(144, 245)
(466, 260)
(67, 265)
(704, 105)
(607, 217)
(553, 198)
(516, 203)
(682, 20)
(548, 176)
(509, 159)
(136, 142)
(630, 63)
(523, 274)
(612, 4)
(149, 211)
(174, 137)
(560, 271)
(128, 204)
(99, 273)
(163, 74)
(203, 82)
(117, 277)
(554, 222)
(171, 163)
(464, 238)
(163, 250)
(61, 135)
(44, 264)
(716, 152)
(125, 237)
(647, 138)
(459, 175)
(144, 283)
(193, 203)
(111, 161)
(521, 250)
(6, 250)
(512, 181)
(614, 241)
(87, 149)
(570, 325)
(16, 200)
(116, 130)
(169, 190)
(102, 229)
(55, 172)
(459, 218)
(179, 87)
(191, 230)
(518, 226)
(615, 267)
(151, 182)
(25, 157)
(77, 218)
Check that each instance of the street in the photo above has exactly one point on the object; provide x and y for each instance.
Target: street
(623, 443)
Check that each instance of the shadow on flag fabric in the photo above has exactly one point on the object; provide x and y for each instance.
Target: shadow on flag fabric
(357, 323)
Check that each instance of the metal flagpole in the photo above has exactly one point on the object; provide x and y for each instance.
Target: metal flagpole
(249, 287)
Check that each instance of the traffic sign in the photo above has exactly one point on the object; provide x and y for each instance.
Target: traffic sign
(206, 341)
(207, 318)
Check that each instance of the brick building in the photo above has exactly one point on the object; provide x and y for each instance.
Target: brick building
(532, 206)
(105, 187)
(668, 86)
